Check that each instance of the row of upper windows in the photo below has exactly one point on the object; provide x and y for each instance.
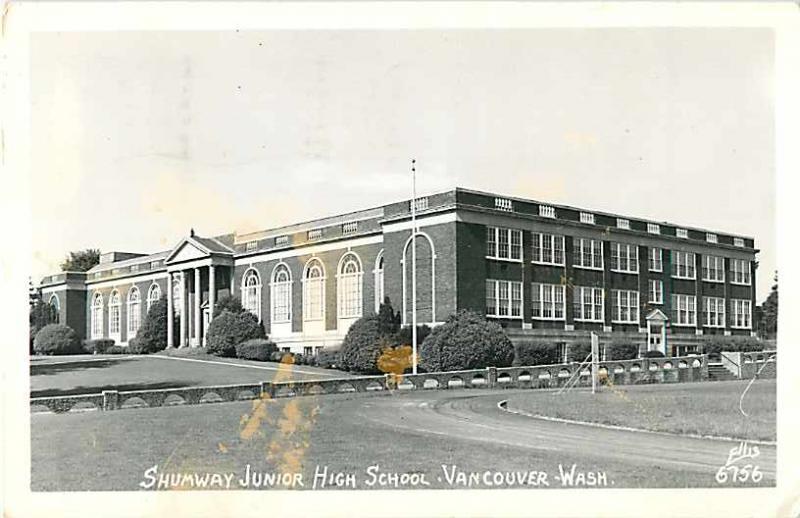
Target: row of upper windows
(504, 299)
(549, 249)
(548, 211)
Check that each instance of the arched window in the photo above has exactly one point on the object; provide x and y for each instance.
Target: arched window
(281, 290)
(314, 291)
(177, 295)
(251, 292)
(134, 312)
(56, 305)
(153, 294)
(97, 316)
(114, 315)
(348, 286)
(379, 282)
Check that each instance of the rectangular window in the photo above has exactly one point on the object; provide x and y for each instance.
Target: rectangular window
(548, 301)
(684, 311)
(586, 217)
(587, 253)
(740, 272)
(623, 223)
(711, 238)
(503, 299)
(740, 312)
(624, 258)
(683, 265)
(713, 268)
(714, 311)
(656, 290)
(308, 350)
(625, 306)
(588, 304)
(655, 263)
(504, 243)
(548, 249)
(738, 241)
(653, 228)
(282, 302)
(504, 204)
(681, 232)
(547, 211)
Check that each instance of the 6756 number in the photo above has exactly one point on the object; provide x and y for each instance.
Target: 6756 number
(734, 474)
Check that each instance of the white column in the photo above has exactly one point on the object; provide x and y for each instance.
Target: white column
(170, 311)
(184, 308)
(212, 291)
(198, 294)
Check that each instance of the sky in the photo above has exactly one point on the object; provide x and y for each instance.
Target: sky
(139, 136)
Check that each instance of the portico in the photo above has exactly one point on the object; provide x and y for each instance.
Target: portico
(198, 270)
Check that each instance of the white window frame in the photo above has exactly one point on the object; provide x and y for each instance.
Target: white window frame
(550, 300)
(556, 244)
(713, 312)
(681, 265)
(741, 319)
(177, 294)
(379, 288)
(655, 290)
(314, 291)
(624, 303)
(115, 316)
(630, 257)
(153, 295)
(280, 290)
(97, 316)
(251, 292)
(655, 261)
(740, 272)
(349, 287)
(718, 268)
(580, 304)
(134, 311)
(578, 245)
(494, 236)
(684, 306)
(504, 294)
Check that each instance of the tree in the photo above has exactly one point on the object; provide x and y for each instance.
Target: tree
(388, 321)
(228, 329)
(152, 334)
(40, 315)
(81, 261)
(227, 303)
(466, 341)
(768, 323)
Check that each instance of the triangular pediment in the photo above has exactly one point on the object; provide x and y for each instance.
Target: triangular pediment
(186, 250)
(656, 314)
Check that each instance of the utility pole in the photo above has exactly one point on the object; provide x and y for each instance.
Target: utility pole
(413, 266)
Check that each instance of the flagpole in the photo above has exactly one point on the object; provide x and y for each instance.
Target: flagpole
(413, 266)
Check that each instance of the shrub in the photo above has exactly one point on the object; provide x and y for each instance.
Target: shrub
(257, 349)
(97, 345)
(228, 330)
(54, 339)
(466, 341)
(152, 334)
(622, 351)
(653, 354)
(40, 315)
(388, 320)
(327, 358)
(362, 346)
(579, 352)
(527, 353)
(117, 349)
(227, 303)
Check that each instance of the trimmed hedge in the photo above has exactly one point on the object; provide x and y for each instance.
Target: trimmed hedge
(97, 345)
(622, 351)
(466, 341)
(363, 345)
(117, 349)
(152, 334)
(257, 349)
(57, 339)
(713, 348)
(228, 330)
(327, 358)
(531, 353)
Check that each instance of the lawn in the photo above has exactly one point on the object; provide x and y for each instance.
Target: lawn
(111, 450)
(709, 408)
(59, 376)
